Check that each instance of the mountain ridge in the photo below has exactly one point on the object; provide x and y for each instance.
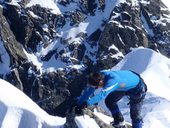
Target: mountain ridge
(18, 110)
(51, 53)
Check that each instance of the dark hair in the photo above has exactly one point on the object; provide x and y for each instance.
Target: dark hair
(95, 78)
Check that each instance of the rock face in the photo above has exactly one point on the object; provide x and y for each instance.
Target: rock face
(14, 48)
(124, 30)
(51, 53)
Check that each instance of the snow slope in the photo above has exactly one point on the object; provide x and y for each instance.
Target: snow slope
(19, 111)
(167, 3)
(4, 59)
(43, 3)
(155, 69)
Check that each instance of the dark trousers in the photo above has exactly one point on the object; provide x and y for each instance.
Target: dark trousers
(136, 97)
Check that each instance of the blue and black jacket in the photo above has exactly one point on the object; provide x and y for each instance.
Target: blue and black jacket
(121, 80)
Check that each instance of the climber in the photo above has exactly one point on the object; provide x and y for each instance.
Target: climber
(114, 85)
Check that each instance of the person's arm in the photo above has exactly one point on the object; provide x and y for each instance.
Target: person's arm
(85, 95)
(109, 87)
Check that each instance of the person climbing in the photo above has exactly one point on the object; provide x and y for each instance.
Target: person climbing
(114, 85)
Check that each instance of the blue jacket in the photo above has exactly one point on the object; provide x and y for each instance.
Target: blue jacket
(121, 80)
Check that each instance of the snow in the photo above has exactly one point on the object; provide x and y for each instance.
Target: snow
(43, 3)
(156, 20)
(18, 111)
(145, 25)
(104, 118)
(68, 32)
(85, 122)
(167, 3)
(155, 69)
(4, 59)
(89, 25)
(151, 62)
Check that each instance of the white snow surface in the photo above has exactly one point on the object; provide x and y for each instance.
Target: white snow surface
(167, 3)
(19, 111)
(4, 59)
(50, 4)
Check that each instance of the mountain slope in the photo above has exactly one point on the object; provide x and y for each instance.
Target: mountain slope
(154, 69)
(47, 49)
(20, 111)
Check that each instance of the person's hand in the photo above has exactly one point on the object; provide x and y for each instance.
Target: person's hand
(84, 105)
(79, 108)
(72, 105)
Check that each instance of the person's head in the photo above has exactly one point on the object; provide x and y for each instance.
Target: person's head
(95, 79)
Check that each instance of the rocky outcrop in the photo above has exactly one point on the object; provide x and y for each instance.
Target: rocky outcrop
(157, 16)
(124, 30)
(14, 48)
(32, 25)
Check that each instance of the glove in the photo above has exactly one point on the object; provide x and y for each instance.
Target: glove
(84, 105)
(72, 106)
(79, 108)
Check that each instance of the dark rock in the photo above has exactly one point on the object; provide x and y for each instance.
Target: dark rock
(76, 17)
(95, 35)
(14, 48)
